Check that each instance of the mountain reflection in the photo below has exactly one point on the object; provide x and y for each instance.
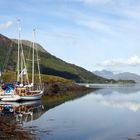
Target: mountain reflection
(117, 98)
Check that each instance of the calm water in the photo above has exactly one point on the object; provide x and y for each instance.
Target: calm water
(112, 113)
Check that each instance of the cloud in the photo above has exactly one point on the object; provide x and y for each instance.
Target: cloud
(114, 16)
(112, 3)
(6, 25)
(109, 17)
(96, 1)
(96, 25)
(132, 61)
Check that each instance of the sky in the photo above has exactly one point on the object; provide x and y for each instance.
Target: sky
(93, 34)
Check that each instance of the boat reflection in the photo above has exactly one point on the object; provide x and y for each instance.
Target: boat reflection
(22, 110)
(14, 116)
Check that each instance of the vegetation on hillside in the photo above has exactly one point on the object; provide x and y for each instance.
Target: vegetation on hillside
(126, 81)
(49, 64)
(10, 76)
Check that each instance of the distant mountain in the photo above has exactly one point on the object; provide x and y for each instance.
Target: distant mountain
(127, 76)
(49, 64)
(104, 73)
(119, 76)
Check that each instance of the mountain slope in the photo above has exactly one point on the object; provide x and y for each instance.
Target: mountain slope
(119, 76)
(49, 64)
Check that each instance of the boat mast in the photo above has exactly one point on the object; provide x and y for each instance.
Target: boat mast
(21, 63)
(38, 65)
(24, 64)
(18, 50)
(33, 57)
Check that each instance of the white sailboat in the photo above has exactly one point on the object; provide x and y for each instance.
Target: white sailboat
(30, 90)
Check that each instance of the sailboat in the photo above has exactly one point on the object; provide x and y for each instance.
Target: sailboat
(23, 88)
(28, 91)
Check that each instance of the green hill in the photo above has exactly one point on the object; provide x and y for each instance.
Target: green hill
(49, 64)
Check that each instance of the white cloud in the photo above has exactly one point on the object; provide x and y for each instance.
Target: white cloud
(6, 25)
(96, 25)
(107, 19)
(132, 61)
(127, 16)
(96, 1)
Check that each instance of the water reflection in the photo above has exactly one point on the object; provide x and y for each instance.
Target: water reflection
(14, 116)
(119, 98)
(19, 109)
(125, 89)
(104, 114)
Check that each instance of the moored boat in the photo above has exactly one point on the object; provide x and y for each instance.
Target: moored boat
(24, 88)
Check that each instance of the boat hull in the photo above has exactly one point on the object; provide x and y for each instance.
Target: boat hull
(5, 96)
(32, 97)
(11, 99)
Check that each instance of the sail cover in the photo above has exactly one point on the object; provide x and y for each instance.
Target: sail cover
(23, 72)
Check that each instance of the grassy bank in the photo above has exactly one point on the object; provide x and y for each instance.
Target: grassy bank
(10, 76)
(53, 85)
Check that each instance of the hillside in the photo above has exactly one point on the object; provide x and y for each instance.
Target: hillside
(119, 76)
(49, 64)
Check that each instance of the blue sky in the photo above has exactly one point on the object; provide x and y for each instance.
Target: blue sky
(94, 34)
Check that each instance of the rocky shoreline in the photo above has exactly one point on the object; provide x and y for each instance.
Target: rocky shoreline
(57, 88)
(10, 130)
